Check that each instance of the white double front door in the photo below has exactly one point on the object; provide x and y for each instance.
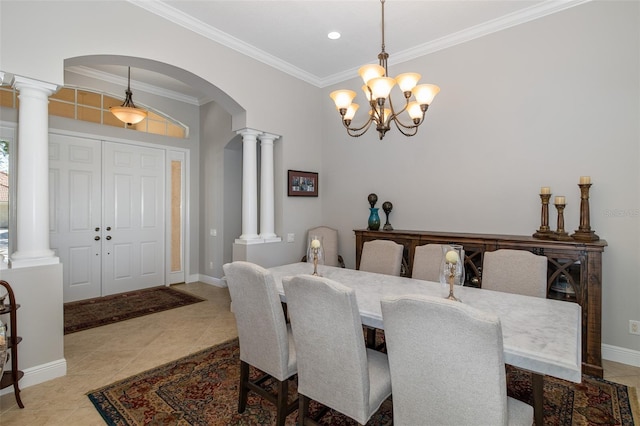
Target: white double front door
(107, 219)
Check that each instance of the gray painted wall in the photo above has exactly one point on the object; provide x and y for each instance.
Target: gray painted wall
(540, 104)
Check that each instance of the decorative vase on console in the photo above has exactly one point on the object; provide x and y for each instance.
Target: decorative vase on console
(374, 218)
(315, 253)
(452, 269)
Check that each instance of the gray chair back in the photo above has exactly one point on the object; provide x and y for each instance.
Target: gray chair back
(334, 367)
(329, 243)
(426, 262)
(262, 328)
(382, 257)
(515, 271)
(447, 365)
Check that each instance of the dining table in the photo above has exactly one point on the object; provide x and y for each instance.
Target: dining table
(540, 335)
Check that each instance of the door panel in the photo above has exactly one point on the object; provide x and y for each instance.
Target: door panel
(75, 213)
(134, 216)
(106, 215)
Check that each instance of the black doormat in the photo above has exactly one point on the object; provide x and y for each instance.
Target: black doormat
(86, 314)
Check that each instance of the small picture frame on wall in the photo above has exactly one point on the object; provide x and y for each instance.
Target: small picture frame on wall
(302, 184)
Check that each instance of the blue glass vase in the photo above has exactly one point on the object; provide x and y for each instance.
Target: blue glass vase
(374, 219)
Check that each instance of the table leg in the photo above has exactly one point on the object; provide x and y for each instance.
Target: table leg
(538, 398)
(371, 337)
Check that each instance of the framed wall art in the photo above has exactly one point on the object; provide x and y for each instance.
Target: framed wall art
(302, 184)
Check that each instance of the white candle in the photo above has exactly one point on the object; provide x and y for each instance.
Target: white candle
(315, 244)
(585, 179)
(452, 257)
(545, 190)
(560, 199)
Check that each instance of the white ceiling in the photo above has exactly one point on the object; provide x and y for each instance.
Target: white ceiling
(292, 35)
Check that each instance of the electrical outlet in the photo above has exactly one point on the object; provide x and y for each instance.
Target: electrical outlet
(634, 327)
(210, 265)
(291, 238)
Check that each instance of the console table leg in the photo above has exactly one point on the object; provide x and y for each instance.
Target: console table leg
(538, 398)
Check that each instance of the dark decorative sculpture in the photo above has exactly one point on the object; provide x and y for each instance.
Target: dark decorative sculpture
(373, 199)
(374, 219)
(387, 207)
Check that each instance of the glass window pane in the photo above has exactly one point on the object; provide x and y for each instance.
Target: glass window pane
(175, 131)
(156, 127)
(62, 109)
(89, 98)
(89, 114)
(108, 102)
(6, 97)
(65, 94)
(93, 107)
(111, 120)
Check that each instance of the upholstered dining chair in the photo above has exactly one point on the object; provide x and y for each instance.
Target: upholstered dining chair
(266, 341)
(329, 244)
(447, 364)
(382, 257)
(334, 367)
(426, 262)
(515, 271)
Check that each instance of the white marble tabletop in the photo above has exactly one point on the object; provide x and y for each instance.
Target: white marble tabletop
(540, 335)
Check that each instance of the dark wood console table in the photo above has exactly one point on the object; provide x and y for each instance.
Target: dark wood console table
(574, 272)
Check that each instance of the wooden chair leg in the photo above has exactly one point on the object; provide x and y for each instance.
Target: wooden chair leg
(283, 400)
(244, 387)
(303, 409)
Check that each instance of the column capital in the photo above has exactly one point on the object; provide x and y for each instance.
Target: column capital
(6, 78)
(249, 132)
(268, 136)
(20, 83)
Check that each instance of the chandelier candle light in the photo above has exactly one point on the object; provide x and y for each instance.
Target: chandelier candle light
(377, 89)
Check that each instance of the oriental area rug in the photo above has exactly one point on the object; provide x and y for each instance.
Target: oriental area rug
(202, 389)
(86, 314)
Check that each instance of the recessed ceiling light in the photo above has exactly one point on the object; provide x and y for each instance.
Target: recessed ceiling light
(334, 35)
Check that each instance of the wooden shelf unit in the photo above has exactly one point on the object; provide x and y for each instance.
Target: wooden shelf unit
(574, 272)
(13, 376)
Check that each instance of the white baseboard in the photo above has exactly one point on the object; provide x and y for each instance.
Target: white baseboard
(622, 355)
(218, 282)
(40, 374)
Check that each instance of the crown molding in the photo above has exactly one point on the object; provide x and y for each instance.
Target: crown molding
(507, 21)
(143, 87)
(178, 17)
(189, 22)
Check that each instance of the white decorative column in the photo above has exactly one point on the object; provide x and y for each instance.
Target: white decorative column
(33, 175)
(249, 188)
(267, 202)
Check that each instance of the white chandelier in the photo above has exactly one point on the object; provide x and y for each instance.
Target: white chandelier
(128, 112)
(377, 88)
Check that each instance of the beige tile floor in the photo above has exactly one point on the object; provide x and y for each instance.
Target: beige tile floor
(106, 354)
(103, 355)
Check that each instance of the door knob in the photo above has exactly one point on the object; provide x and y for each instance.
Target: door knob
(96, 238)
(108, 237)
(108, 228)
(97, 229)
